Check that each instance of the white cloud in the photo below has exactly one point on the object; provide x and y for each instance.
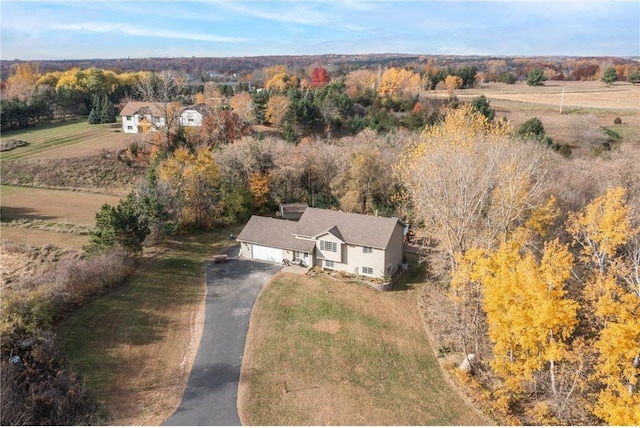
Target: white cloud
(104, 27)
(291, 13)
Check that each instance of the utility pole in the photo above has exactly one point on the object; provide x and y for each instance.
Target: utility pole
(561, 100)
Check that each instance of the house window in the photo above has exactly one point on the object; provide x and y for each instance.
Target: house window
(128, 117)
(367, 250)
(129, 127)
(156, 119)
(190, 119)
(329, 264)
(328, 246)
(367, 270)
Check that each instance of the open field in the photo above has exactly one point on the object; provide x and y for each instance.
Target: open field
(39, 216)
(590, 104)
(135, 346)
(321, 352)
(71, 138)
(589, 94)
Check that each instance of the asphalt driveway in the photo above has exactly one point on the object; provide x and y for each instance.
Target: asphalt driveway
(212, 390)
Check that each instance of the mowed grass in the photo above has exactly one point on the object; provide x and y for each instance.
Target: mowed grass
(41, 216)
(321, 352)
(135, 346)
(70, 138)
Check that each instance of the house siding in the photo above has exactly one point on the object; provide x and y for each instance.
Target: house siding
(338, 257)
(357, 259)
(393, 255)
(195, 116)
(129, 126)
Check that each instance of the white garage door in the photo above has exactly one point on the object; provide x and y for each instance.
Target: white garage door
(266, 253)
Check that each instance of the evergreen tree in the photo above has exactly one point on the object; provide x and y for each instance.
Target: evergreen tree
(107, 111)
(535, 77)
(609, 76)
(122, 224)
(481, 105)
(94, 118)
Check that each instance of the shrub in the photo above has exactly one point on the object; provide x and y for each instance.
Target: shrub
(482, 105)
(617, 121)
(507, 78)
(42, 389)
(532, 128)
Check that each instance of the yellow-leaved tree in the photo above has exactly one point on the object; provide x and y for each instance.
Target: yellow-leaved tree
(603, 228)
(399, 82)
(528, 317)
(194, 182)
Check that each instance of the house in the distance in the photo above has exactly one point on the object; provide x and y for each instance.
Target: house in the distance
(193, 115)
(140, 117)
(355, 243)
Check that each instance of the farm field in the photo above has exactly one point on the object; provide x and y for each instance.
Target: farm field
(585, 104)
(587, 94)
(40, 216)
(320, 352)
(71, 138)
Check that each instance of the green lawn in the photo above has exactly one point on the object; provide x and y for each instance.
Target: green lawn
(75, 137)
(327, 353)
(135, 345)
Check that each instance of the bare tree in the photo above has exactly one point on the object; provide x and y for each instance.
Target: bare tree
(163, 90)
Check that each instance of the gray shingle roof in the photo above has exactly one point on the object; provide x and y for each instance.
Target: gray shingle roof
(274, 232)
(358, 229)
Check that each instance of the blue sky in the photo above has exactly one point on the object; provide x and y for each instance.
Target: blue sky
(36, 30)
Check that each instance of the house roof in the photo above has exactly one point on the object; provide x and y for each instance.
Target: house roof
(358, 229)
(133, 107)
(274, 232)
(201, 108)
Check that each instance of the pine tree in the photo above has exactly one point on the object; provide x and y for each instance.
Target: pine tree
(107, 111)
(94, 118)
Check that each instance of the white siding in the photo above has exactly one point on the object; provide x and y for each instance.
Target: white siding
(191, 117)
(129, 126)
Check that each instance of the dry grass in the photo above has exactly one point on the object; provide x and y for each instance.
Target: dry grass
(590, 94)
(59, 206)
(38, 217)
(71, 138)
(320, 352)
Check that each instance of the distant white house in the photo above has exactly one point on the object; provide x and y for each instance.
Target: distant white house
(140, 117)
(193, 115)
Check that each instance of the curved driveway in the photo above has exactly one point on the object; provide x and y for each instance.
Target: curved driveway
(211, 395)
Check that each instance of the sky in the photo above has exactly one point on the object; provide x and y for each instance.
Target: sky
(41, 30)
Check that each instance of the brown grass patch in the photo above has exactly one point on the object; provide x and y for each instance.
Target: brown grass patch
(327, 326)
(53, 205)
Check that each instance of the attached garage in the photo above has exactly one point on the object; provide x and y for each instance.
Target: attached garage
(270, 254)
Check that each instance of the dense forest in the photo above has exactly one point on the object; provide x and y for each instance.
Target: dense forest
(533, 255)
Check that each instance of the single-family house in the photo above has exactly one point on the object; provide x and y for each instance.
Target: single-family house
(355, 243)
(193, 115)
(139, 117)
